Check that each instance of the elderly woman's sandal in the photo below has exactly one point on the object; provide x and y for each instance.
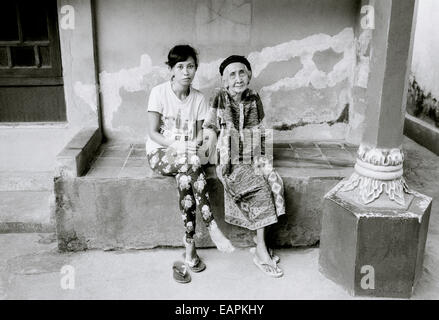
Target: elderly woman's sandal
(274, 257)
(268, 269)
(180, 272)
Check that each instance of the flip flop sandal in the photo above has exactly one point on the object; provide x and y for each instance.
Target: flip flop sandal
(274, 257)
(180, 272)
(197, 265)
(268, 269)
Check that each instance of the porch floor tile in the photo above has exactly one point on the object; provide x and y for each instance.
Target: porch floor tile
(124, 160)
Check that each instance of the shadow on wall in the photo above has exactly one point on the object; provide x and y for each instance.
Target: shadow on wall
(422, 104)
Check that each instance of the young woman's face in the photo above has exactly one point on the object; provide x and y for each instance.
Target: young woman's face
(184, 72)
(236, 77)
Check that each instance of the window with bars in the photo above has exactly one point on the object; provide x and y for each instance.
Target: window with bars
(30, 62)
(29, 45)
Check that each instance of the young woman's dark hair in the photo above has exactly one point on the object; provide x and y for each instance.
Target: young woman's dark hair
(181, 53)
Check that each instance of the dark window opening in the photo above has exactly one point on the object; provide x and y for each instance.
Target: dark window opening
(31, 84)
(23, 57)
(3, 57)
(33, 18)
(8, 22)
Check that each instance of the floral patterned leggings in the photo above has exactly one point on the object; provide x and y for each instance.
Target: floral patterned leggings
(191, 184)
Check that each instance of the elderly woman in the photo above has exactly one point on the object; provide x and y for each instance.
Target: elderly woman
(175, 115)
(256, 189)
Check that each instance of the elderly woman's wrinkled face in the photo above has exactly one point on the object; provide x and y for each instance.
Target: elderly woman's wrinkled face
(184, 72)
(236, 77)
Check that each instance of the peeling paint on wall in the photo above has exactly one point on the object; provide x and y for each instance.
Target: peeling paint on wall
(363, 59)
(358, 108)
(140, 78)
(356, 119)
(305, 49)
(311, 77)
(87, 92)
(145, 76)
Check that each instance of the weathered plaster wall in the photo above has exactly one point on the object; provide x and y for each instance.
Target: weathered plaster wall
(33, 147)
(358, 107)
(423, 99)
(425, 65)
(79, 72)
(304, 55)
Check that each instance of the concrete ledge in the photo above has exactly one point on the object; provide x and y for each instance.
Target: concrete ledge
(423, 133)
(26, 181)
(75, 158)
(120, 203)
(26, 227)
(129, 213)
(27, 210)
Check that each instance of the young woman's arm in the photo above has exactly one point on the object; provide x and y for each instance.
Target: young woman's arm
(207, 148)
(199, 132)
(156, 136)
(154, 130)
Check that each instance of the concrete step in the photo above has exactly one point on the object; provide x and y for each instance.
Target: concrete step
(26, 180)
(26, 211)
(121, 204)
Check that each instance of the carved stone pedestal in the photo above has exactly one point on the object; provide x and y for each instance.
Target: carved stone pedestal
(374, 230)
(374, 227)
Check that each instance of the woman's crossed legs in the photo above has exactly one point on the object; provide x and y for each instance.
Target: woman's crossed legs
(193, 194)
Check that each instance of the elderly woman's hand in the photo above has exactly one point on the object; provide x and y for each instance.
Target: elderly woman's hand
(178, 146)
(183, 147)
(207, 150)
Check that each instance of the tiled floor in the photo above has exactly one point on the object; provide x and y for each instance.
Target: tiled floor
(120, 161)
(129, 161)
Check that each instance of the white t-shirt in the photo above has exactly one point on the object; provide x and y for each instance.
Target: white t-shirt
(178, 118)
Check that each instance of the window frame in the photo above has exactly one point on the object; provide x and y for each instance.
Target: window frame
(35, 75)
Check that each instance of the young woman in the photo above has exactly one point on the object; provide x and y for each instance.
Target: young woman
(175, 116)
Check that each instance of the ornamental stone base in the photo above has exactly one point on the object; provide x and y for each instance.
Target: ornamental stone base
(377, 249)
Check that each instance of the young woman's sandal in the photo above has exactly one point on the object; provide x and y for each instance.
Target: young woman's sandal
(180, 272)
(269, 270)
(196, 265)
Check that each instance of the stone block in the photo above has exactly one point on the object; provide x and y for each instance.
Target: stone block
(76, 156)
(127, 212)
(67, 163)
(25, 211)
(115, 206)
(26, 180)
(374, 251)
